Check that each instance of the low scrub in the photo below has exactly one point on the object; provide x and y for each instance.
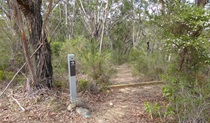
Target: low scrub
(150, 64)
(188, 97)
(89, 62)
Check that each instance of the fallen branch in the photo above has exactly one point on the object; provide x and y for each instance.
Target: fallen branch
(18, 103)
(136, 84)
(19, 71)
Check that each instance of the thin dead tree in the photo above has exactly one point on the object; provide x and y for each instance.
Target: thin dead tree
(23, 39)
(103, 26)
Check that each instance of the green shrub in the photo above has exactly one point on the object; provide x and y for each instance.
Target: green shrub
(97, 66)
(158, 110)
(2, 75)
(188, 99)
(58, 84)
(119, 58)
(152, 64)
(82, 85)
(8, 75)
(56, 47)
(4, 59)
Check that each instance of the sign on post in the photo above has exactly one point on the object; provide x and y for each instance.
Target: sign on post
(72, 77)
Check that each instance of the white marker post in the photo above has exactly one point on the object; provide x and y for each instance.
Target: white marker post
(72, 77)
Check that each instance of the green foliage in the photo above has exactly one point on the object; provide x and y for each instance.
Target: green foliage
(158, 110)
(119, 58)
(150, 64)
(148, 108)
(10, 47)
(58, 84)
(185, 35)
(2, 75)
(57, 21)
(186, 40)
(4, 60)
(121, 44)
(126, 8)
(82, 84)
(189, 102)
(5, 51)
(167, 91)
(187, 94)
(97, 66)
(88, 61)
(56, 47)
(196, 50)
(8, 75)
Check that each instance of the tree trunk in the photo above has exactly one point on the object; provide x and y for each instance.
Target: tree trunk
(43, 67)
(103, 26)
(162, 7)
(25, 47)
(66, 19)
(201, 3)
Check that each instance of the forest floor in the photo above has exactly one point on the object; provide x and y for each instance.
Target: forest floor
(120, 105)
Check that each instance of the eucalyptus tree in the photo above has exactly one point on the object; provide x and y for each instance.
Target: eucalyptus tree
(41, 70)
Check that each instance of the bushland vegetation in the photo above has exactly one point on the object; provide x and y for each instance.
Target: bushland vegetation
(164, 40)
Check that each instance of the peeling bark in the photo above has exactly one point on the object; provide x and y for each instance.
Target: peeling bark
(43, 66)
(25, 47)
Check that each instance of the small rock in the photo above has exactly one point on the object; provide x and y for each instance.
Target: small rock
(111, 104)
(84, 112)
(71, 107)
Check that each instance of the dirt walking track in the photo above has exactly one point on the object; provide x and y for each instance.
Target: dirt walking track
(126, 105)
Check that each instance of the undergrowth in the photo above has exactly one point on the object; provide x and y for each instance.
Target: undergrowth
(97, 67)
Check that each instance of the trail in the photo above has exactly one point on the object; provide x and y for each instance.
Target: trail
(123, 75)
(126, 105)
